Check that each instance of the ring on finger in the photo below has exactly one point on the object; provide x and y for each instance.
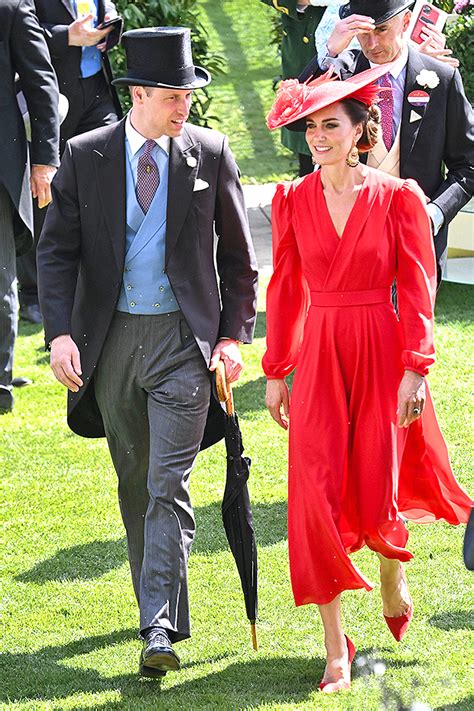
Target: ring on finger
(416, 411)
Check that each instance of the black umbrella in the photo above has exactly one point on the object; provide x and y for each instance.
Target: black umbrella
(236, 509)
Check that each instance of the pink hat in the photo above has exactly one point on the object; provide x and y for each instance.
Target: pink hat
(294, 100)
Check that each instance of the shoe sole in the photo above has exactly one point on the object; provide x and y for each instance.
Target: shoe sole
(163, 662)
(150, 673)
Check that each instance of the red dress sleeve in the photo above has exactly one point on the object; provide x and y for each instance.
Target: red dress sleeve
(416, 278)
(288, 295)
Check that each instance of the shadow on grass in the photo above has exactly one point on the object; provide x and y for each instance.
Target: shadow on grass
(91, 560)
(454, 302)
(86, 561)
(261, 325)
(269, 521)
(248, 96)
(457, 620)
(49, 673)
(466, 704)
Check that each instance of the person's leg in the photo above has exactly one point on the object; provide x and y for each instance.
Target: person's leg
(393, 587)
(153, 390)
(337, 674)
(179, 390)
(8, 300)
(27, 275)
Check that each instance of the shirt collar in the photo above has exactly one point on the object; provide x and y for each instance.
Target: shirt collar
(136, 140)
(399, 64)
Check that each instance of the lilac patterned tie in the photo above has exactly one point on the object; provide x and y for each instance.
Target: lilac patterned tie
(148, 177)
(386, 107)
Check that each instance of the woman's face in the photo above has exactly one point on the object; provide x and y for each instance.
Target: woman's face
(330, 134)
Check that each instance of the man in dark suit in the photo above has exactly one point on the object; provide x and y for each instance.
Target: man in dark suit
(22, 51)
(143, 212)
(432, 128)
(84, 76)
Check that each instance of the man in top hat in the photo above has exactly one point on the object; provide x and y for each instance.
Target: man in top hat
(427, 121)
(147, 277)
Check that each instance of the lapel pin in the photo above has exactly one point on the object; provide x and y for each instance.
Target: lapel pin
(191, 161)
(418, 98)
(427, 78)
(414, 116)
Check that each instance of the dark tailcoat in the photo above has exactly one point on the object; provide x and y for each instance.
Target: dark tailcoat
(438, 150)
(82, 248)
(55, 16)
(24, 51)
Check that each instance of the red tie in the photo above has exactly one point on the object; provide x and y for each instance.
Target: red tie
(148, 177)
(386, 107)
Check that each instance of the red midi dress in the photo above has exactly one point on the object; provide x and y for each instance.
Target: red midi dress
(352, 471)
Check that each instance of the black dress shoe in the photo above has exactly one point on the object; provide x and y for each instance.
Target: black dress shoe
(5, 408)
(157, 654)
(31, 313)
(20, 382)
(6, 400)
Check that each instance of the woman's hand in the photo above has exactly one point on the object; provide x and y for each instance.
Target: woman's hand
(276, 398)
(411, 398)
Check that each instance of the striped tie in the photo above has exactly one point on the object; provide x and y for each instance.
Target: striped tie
(386, 108)
(148, 177)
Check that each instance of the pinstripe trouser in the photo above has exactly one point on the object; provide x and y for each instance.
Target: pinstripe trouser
(153, 388)
(8, 297)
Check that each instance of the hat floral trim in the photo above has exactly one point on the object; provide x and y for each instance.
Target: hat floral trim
(291, 98)
(295, 100)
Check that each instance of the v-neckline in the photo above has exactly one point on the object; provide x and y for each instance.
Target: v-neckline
(349, 217)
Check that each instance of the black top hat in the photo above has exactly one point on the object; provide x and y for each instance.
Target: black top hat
(162, 57)
(379, 10)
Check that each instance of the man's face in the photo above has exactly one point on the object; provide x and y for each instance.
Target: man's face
(161, 112)
(385, 43)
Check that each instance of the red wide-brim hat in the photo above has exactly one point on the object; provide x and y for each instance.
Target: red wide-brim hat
(294, 100)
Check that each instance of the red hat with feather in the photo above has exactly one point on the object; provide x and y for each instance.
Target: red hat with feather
(295, 100)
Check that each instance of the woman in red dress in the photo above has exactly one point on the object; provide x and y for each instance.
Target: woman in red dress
(365, 448)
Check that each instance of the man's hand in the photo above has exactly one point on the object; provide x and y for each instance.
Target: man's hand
(108, 16)
(40, 182)
(434, 45)
(82, 34)
(345, 30)
(66, 362)
(411, 398)
(277, 398)
(228, 351)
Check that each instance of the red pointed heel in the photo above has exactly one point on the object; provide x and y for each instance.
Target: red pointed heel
(399, 625)
(331, 687)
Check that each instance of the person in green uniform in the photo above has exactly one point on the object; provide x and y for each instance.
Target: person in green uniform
(299, 20)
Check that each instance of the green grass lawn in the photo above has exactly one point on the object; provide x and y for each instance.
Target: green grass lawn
(69, 616)
(240, 31)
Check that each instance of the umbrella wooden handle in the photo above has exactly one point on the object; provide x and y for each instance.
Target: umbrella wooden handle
(224, 389)
(253, 632)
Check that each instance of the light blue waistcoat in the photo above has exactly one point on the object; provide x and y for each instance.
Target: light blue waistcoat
(145, 286)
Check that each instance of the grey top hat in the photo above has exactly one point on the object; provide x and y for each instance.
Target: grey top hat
(161, 57)
(379, 10)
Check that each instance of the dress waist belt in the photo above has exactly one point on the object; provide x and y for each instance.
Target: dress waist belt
(351, 298)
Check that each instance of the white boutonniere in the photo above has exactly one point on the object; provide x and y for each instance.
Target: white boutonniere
(191, 161)
(427, 78)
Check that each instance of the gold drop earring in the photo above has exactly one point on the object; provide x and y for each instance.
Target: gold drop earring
(352, 159)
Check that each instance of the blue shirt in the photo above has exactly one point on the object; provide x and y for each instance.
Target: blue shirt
(91, 61)
(145, 286)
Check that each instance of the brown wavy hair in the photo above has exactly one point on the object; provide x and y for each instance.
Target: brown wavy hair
(369, 117)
